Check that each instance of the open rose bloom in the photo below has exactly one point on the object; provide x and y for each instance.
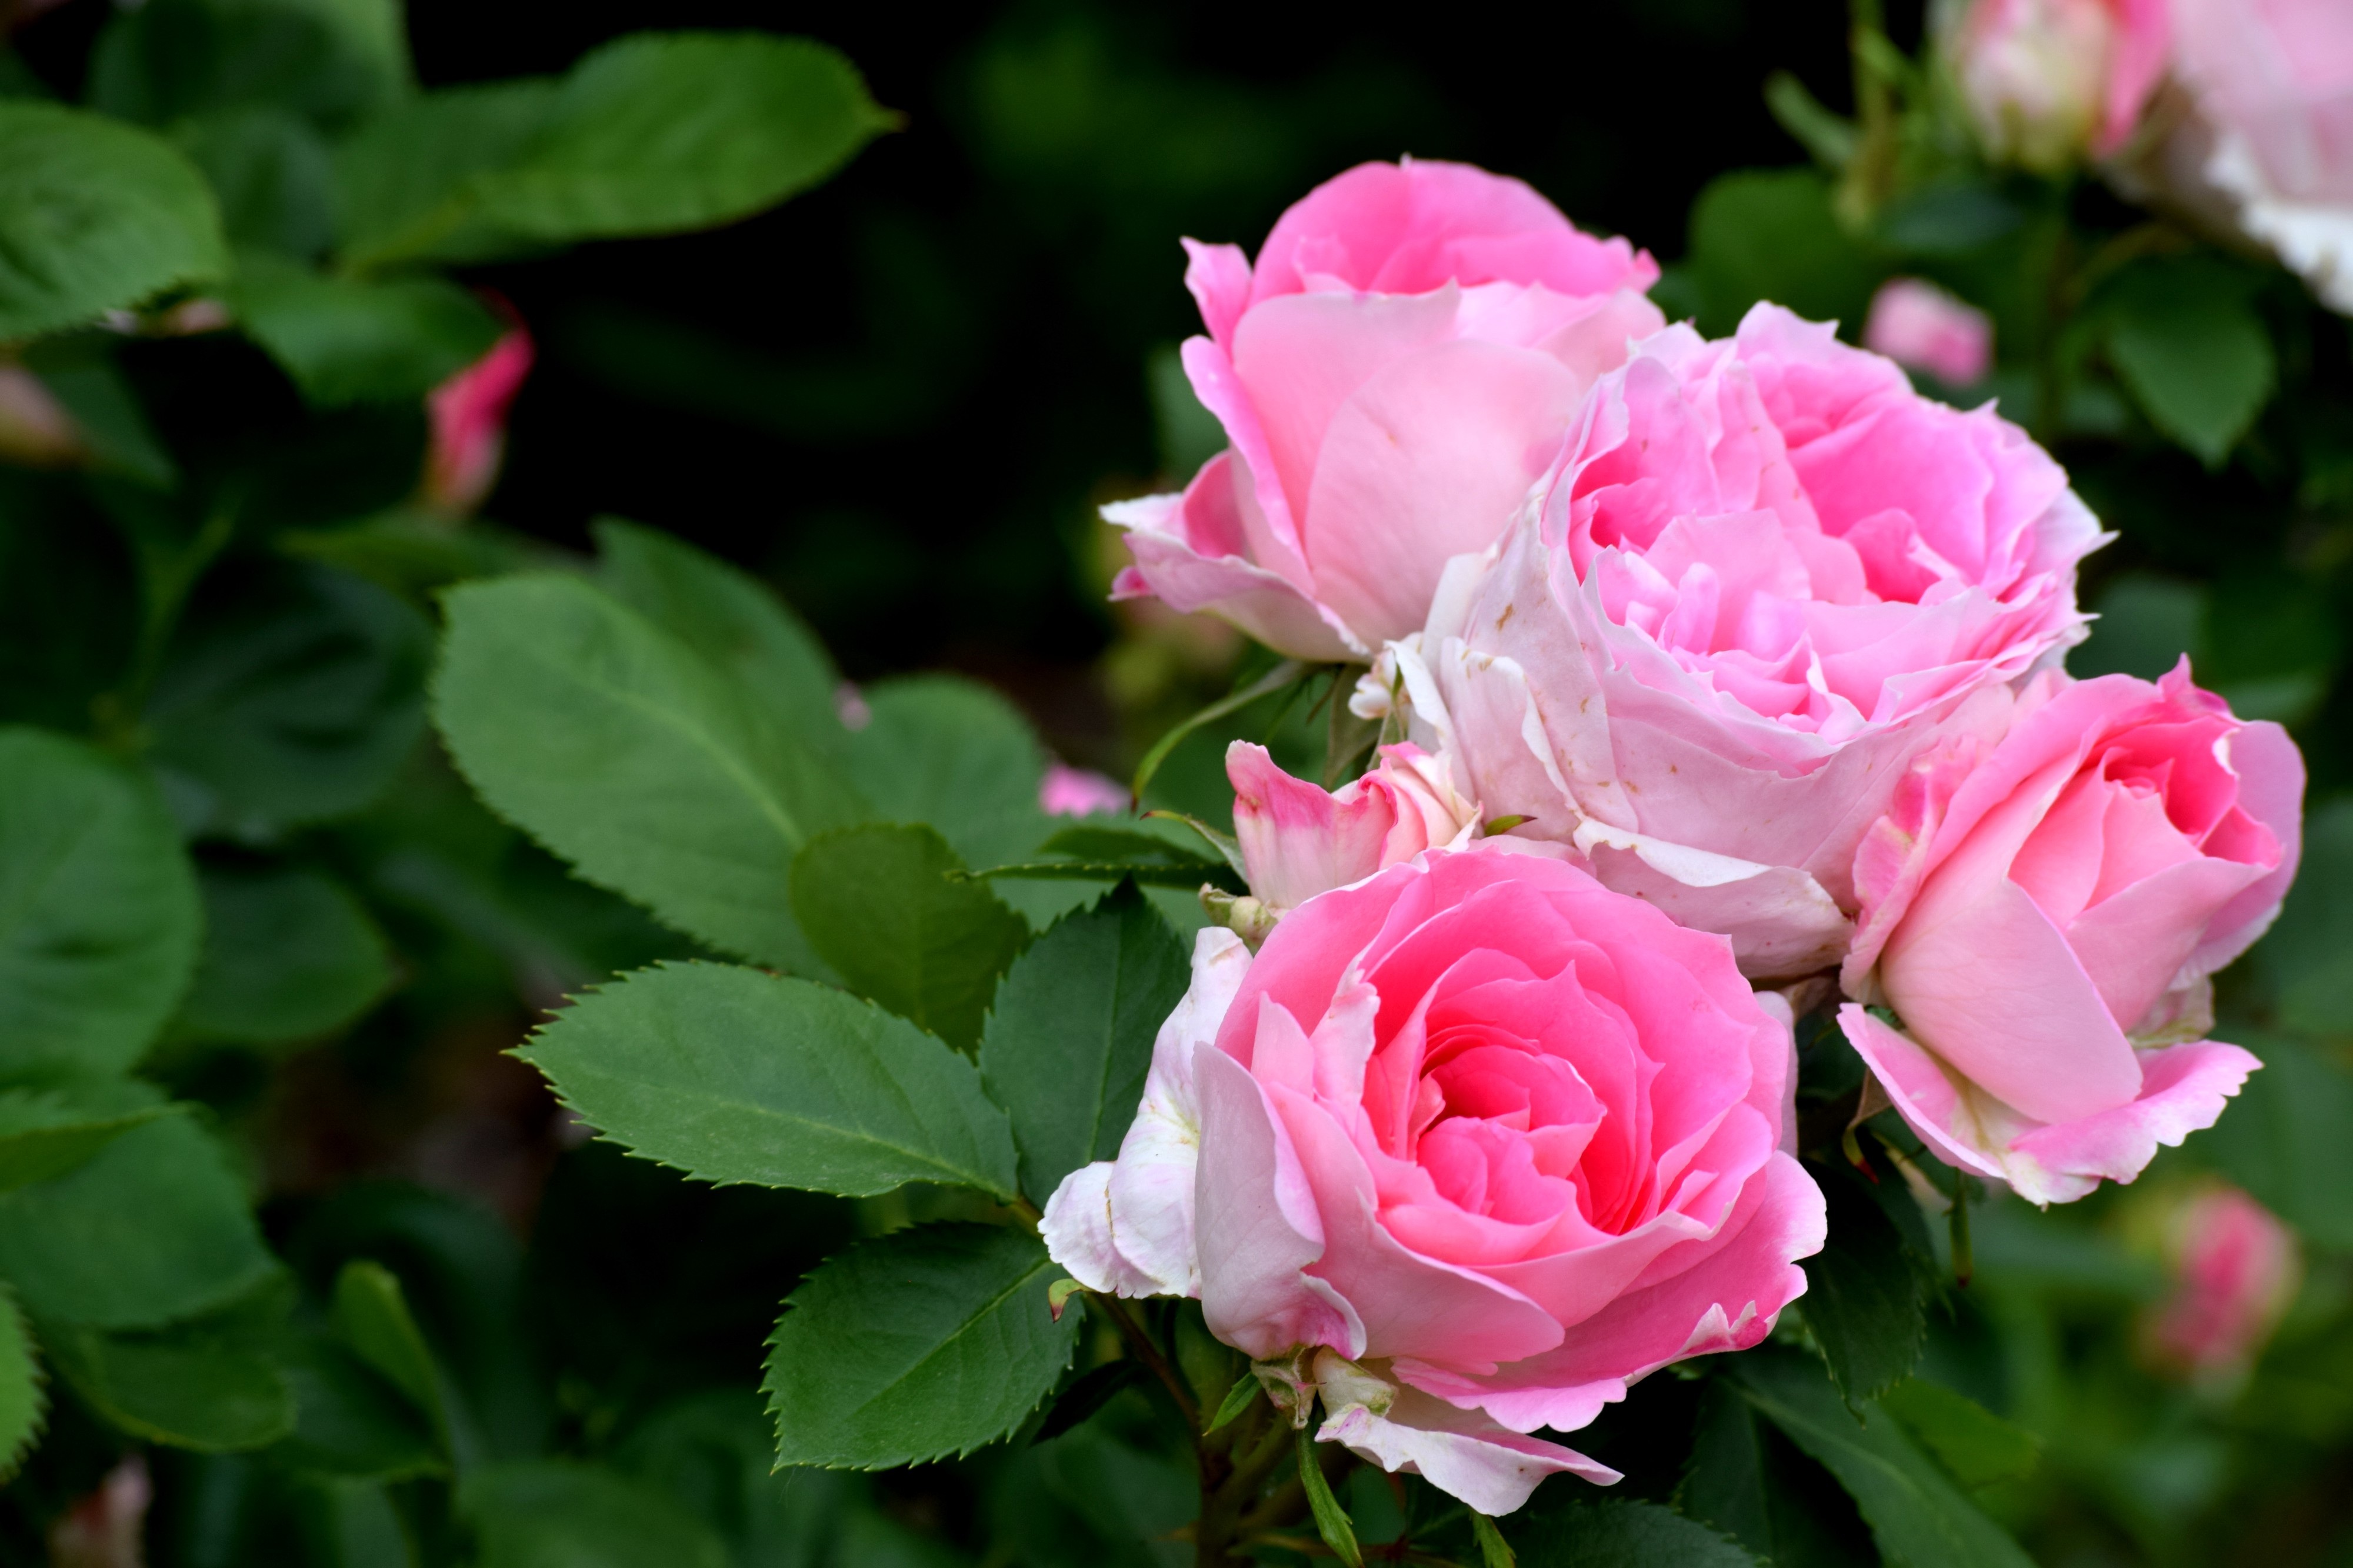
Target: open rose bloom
(1468, 1147)
(1399, 365)
(2044, 918)
(1763, 575)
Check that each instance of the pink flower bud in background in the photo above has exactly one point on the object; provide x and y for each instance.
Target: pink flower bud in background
(1079, 791)
(2051, 82)
(2234, 1269)
(1299, 840)
(104, 1528)
(35, 429)
(468, 414)
(1920, 326)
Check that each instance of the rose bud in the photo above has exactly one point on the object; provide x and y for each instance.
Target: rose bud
(1402, 362)
(1765, 575)
(2234, 1272)
(1298, 840)
(2048, 83)
(1465, 1149)
(1920, 327)
(2043, 915)
(2271, 132)
(468, 414)
(1067, 790)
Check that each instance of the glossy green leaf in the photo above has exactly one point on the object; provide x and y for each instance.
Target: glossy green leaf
(624, 750)
(351, 341)
(880, 906)
(734, 1075)
(95, 215)
(98, 910)
(192, 1388)
(564, 1513)
(914, 1346)
(1980, 1448)
(271, 173)
(292, 706)
(733, 619)
(1770, 234)
(289, 954)
(1625, 1536)
(24, 1393)
(46, 1133)
(1070, 1037)
(1917, 1513)
(2185, 337)
(326, 59)
(651, 134)
(155, 1226)
(1862, 1296)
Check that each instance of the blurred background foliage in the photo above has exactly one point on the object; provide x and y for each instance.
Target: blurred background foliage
(897, 399)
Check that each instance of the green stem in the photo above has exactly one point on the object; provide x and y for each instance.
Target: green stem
(166, 577)
(1274, 680)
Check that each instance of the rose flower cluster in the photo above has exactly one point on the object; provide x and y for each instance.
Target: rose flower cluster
(1719, 675)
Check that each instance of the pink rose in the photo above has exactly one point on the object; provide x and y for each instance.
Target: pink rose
(1402, 362)
(2043, 922)
(1919, 325)
(1465, 1149)
(1079, 791)
(2048, 82)
(2272, 83)
(468, 417)
(2234, 1272)
(1299, 840)
(1763, 576)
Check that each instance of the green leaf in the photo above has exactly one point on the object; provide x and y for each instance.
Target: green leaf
(23, 1394)
(1862, 1296)
(1917, 1514)
(328, 59)
(1494, 1551)
(914, 1346)
(624, 751)
(95, 215)
(1070, 1038)
(1087, 1393)
(289, 954)
(212, 1386)
(351, 1523)
(2284, 1139)
(650, 134)
(271, 173)
(410, 553)
(1626, 1535)
(2186, 338)
(1980, 1448)
(293, 706)
(79, 372)
(564, 1513)
(1770, 234)
(734, 1075)
(45, 1133)
(879, 905)
(98, 909)
(154, 1227)
(731, 618)
(372, 1315)
(350, 1423)
(1331, 1520)
(402, 179)
(348, 341)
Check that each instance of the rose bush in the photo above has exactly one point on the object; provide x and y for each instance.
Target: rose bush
(2044, 918)
(1763, 574)
(1399, 365)
(1468, 1148)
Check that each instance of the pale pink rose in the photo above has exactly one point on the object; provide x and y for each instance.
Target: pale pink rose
(468, 414)
(1079, 792)
(1400, 364)
(2049, 82)
(1299, 840)
(1917, 324)
(2043, 916)
(1466, 1149)
(2234, 1270)
(2271, 131)
(1763, 575)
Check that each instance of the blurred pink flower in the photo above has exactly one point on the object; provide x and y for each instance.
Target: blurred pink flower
(1921, 326)
(2050, 81)
(103, 1528)
(2234, 1270)
(1079, 791)
(469, 414)
(34, 428)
